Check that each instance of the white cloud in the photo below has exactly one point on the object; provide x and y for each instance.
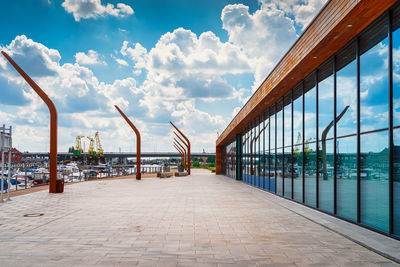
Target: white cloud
(121, 62)
(264, 36)
(85, 9)
(181, 68)
(303, 11)
(235, 111)
(35, 58)
(91, 58)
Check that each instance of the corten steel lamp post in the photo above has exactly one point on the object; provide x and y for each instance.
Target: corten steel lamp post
(182, 142)
(180, 152)
(187, 144)
(138, 172)
(53, 124)
(184, 152)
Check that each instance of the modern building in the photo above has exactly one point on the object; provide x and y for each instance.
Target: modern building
(323, 129)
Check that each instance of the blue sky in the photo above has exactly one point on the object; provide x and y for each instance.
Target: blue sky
(192, 62)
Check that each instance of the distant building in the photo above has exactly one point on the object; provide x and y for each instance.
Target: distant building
(16, 156)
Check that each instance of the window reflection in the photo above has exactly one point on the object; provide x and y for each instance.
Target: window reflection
(266, 151)
(272, 156)
(298, 143)
(374, 158)
(374, 161)
(346, 175)
(310, 157)
(346, 92)
(325, 132)
(396, 121)
(287, 154)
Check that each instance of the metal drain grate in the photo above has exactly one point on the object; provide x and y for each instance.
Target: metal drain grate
(34, 215)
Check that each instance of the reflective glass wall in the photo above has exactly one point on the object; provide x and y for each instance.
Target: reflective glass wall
(229, 159)
(333, 141)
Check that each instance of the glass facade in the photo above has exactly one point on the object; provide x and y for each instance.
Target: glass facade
(333, 141)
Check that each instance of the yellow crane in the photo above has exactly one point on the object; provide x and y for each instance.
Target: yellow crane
(91, 146)
(99, 149)
(78, 145)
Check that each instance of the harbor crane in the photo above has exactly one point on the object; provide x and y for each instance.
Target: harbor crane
(100, 151)
(91, 150)
(78, 146)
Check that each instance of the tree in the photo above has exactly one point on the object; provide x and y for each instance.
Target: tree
(210, 160)
(196, 162)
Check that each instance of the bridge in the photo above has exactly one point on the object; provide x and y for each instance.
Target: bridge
(120, 154)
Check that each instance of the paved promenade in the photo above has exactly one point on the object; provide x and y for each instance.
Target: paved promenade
(201, 220)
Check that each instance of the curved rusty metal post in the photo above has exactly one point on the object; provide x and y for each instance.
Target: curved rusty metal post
(138, 171)
(181, 139)
(53, 123)
(188, 145)
(184, 152)
(180, 152)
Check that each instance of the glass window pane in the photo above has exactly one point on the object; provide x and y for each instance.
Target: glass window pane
(257, 156)
(325, 132)
(246, 156)
(287, 154)
(310, 167)
(272, 171)
(310, 158)
(287, 163)
(288, 121)
(272, 128)
(396, 72)
(252, 153)
(346, 94)
(298, 173)
(396, 121)
(325, 101)
(374, 161)
(346, 156)
(326, 174)
(266, 152)
(297, 115)
(279, 124)
(396, 181)
(374, 92)
(279, 158)
(310, 110)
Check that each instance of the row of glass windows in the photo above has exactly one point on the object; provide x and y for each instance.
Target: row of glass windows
(327, 142)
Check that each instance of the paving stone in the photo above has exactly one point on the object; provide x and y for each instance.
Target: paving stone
(198, 220)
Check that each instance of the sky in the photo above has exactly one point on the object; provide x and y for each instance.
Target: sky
(194, 63)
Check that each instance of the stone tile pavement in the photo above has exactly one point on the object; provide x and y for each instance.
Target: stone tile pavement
(200, 220)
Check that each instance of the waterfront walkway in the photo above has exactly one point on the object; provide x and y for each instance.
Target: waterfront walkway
(200, 220)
